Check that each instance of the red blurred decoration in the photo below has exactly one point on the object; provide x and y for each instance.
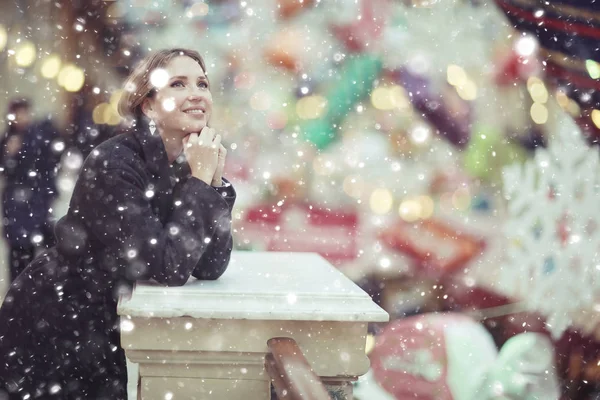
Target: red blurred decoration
(513, 68)
(290, 8)
(365, 30)
(406, 351)
(577, 355)
(300, 227)
(437, 247)
(285, 48)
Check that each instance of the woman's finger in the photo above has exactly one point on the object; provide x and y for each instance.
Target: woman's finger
(217, 141)
(207, 135)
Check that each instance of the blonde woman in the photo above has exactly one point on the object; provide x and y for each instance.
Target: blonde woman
(150, 203)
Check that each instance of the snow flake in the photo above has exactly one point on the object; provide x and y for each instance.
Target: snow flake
(552, 229)
(127, 325)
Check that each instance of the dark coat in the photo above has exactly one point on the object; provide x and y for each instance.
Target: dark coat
(132, 217)
(29, 182)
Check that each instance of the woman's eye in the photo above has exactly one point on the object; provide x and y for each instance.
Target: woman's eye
(177, 84)
(203, 85)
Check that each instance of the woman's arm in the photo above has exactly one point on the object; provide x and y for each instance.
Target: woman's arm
(215, 259)
(115, 206)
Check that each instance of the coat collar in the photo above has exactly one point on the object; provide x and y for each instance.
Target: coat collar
(155, 155)
(153, 149)
(156, 161)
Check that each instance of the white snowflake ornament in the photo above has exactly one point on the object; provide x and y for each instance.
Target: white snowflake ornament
(552, 260)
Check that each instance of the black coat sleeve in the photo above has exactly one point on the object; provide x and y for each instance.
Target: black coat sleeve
(215, 259)
(115, 207)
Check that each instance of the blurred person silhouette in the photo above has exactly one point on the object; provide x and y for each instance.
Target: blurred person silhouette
(149, 203)
(28, 159)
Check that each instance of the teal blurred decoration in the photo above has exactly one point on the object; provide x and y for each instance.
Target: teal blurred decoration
(353, 82)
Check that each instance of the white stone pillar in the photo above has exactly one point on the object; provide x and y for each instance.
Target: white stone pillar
(208, 339)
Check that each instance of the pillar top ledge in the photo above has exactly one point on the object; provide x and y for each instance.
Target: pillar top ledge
(260, 286)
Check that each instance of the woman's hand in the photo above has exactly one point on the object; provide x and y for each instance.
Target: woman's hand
(217, 180)
(202, 153)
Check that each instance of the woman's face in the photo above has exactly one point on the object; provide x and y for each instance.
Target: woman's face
(184, 104)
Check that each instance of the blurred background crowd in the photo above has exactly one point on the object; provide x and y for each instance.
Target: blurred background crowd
(441, 153)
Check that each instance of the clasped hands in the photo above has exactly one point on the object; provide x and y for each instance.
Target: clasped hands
(206, 155)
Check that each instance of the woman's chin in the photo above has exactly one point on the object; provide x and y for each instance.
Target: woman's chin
(193, 128)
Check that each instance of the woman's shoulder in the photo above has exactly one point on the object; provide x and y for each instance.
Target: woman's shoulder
(117, 152)
(121, 148)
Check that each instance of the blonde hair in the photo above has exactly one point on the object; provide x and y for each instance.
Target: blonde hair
(137, 86)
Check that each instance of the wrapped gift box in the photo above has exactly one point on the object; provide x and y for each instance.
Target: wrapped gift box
(301, 227)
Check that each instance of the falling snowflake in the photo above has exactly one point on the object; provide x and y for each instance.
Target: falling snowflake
(553, 230)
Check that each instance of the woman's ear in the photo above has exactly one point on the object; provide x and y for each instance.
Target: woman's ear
(147, 108)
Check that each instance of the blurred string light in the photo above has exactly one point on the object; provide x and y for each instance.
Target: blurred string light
(390, 98)
(197, 10)
(25, 53)
(3, 37)
(592, 67)
(456, 75)
(537, 90)
(596, 117)
(51, 66)
(468, 91)
(311, 107)
(410, 210)
(71, 77)
(465, 87)
(416, 207)
(381, 201)
(106, 113)
(567, 103)
(539, 113)
(381, 99)
(539, 94)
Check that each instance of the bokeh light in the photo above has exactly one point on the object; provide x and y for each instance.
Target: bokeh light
(456, 75)
(3, 37)
(311, 107)
(381, 201)
(467, 91)
(539, 113)
(197, 10)
(596, 117)
(410, 210)
(71, 77)
(381, 98)
(51, 66)
(593, 69)
(537, 90)
(25, 53)
(159, 78)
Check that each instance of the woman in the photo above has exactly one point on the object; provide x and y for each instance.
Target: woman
(149, 204)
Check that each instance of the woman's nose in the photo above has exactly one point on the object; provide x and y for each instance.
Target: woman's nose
(196, 93)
